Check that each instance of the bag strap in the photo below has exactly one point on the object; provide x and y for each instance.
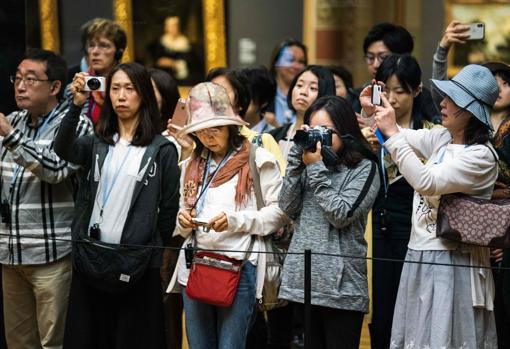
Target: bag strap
(364, 190)
(256, 177)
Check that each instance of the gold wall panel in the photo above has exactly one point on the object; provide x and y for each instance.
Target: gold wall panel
(48, 17)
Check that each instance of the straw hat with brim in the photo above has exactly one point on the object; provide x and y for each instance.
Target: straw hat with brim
(209, 106)
(474, 88)
(494, 67)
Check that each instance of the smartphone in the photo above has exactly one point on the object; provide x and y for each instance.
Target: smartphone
(180, 116)
(376, 94)
(476, 31)
(200, 222)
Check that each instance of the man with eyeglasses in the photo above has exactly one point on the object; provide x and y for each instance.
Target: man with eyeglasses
(105, 42)
(36, 207)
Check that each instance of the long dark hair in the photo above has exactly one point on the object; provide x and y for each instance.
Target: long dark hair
(408, 73)
(325, 78)
(169, 91)
(149, 116)
(355, 147)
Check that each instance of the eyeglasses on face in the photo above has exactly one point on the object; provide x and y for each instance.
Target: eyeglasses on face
(208, 132)
(28, 81)
(370, 57)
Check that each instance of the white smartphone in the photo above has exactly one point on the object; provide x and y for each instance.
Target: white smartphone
(476, 31)
(376, 94)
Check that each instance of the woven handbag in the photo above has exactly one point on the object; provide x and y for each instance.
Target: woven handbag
(470, 220)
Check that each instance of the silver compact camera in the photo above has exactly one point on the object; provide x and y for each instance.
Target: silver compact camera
(95, 83)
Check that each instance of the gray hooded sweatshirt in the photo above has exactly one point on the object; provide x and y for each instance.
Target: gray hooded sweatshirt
(329, 208)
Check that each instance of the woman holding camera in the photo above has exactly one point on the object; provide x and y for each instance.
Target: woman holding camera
(218, 211)
(442, 306)
(328, 192)
(128, 195)
(105, 45)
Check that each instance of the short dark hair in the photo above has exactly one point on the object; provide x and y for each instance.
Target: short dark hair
(169, 91)
(325, 78)
(395, 37)
(241, 92)
(56, 66)
(148, 126)
(278, 50)
(260, 83)
(344, 74)
(235, 139)
(355, 147)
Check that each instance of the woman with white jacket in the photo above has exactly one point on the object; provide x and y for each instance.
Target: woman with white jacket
(218, 211)
(441, 306)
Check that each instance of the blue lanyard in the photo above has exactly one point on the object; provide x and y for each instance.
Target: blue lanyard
(201, 197)
(107, 191)
(383, 170)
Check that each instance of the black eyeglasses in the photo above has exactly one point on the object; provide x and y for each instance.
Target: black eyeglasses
(28, 81)
(370, 57)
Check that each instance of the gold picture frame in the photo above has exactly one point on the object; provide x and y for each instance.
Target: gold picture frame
(494, 14)
(213, 13)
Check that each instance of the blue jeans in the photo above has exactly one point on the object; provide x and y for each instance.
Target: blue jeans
(210, 327)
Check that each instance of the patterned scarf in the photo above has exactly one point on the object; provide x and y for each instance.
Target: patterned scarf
(237, 164)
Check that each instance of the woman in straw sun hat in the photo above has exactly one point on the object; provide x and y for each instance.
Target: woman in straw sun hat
(218, 211)
(442, 306)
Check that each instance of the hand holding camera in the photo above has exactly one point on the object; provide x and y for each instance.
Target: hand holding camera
(78, 89)
(312, 140)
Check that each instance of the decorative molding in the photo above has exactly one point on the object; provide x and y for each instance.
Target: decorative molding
(48, 17)
(214, 34)
(123, 15)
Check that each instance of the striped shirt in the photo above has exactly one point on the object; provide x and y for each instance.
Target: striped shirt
(38, 189)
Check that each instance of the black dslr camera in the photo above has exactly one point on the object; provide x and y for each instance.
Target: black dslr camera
(308, 139)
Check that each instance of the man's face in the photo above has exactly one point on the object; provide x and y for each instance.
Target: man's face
(375, 55)
(503, 101)
(32, 89)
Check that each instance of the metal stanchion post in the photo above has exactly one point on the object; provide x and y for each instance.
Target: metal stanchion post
(308, 299)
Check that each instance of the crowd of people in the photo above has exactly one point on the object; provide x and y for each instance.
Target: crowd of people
(116, 220)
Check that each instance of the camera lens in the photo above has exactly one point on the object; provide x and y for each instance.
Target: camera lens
(94, 84)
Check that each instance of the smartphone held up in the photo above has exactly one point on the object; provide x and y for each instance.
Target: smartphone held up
(476, 31)
(376, 94)
(180, 116)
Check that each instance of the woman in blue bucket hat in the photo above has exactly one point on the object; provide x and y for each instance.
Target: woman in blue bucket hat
(440, 306)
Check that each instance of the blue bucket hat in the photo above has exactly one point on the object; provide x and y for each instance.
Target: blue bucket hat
(474, 88)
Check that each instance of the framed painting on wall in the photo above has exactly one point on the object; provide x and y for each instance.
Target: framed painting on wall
(495, 46)
(184, 37)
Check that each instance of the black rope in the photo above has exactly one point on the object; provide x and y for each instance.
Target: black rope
(375, 259)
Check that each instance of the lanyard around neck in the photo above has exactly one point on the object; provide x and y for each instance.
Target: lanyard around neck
(201, 197)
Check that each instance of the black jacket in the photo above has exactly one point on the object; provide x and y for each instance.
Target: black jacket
(155, 202)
